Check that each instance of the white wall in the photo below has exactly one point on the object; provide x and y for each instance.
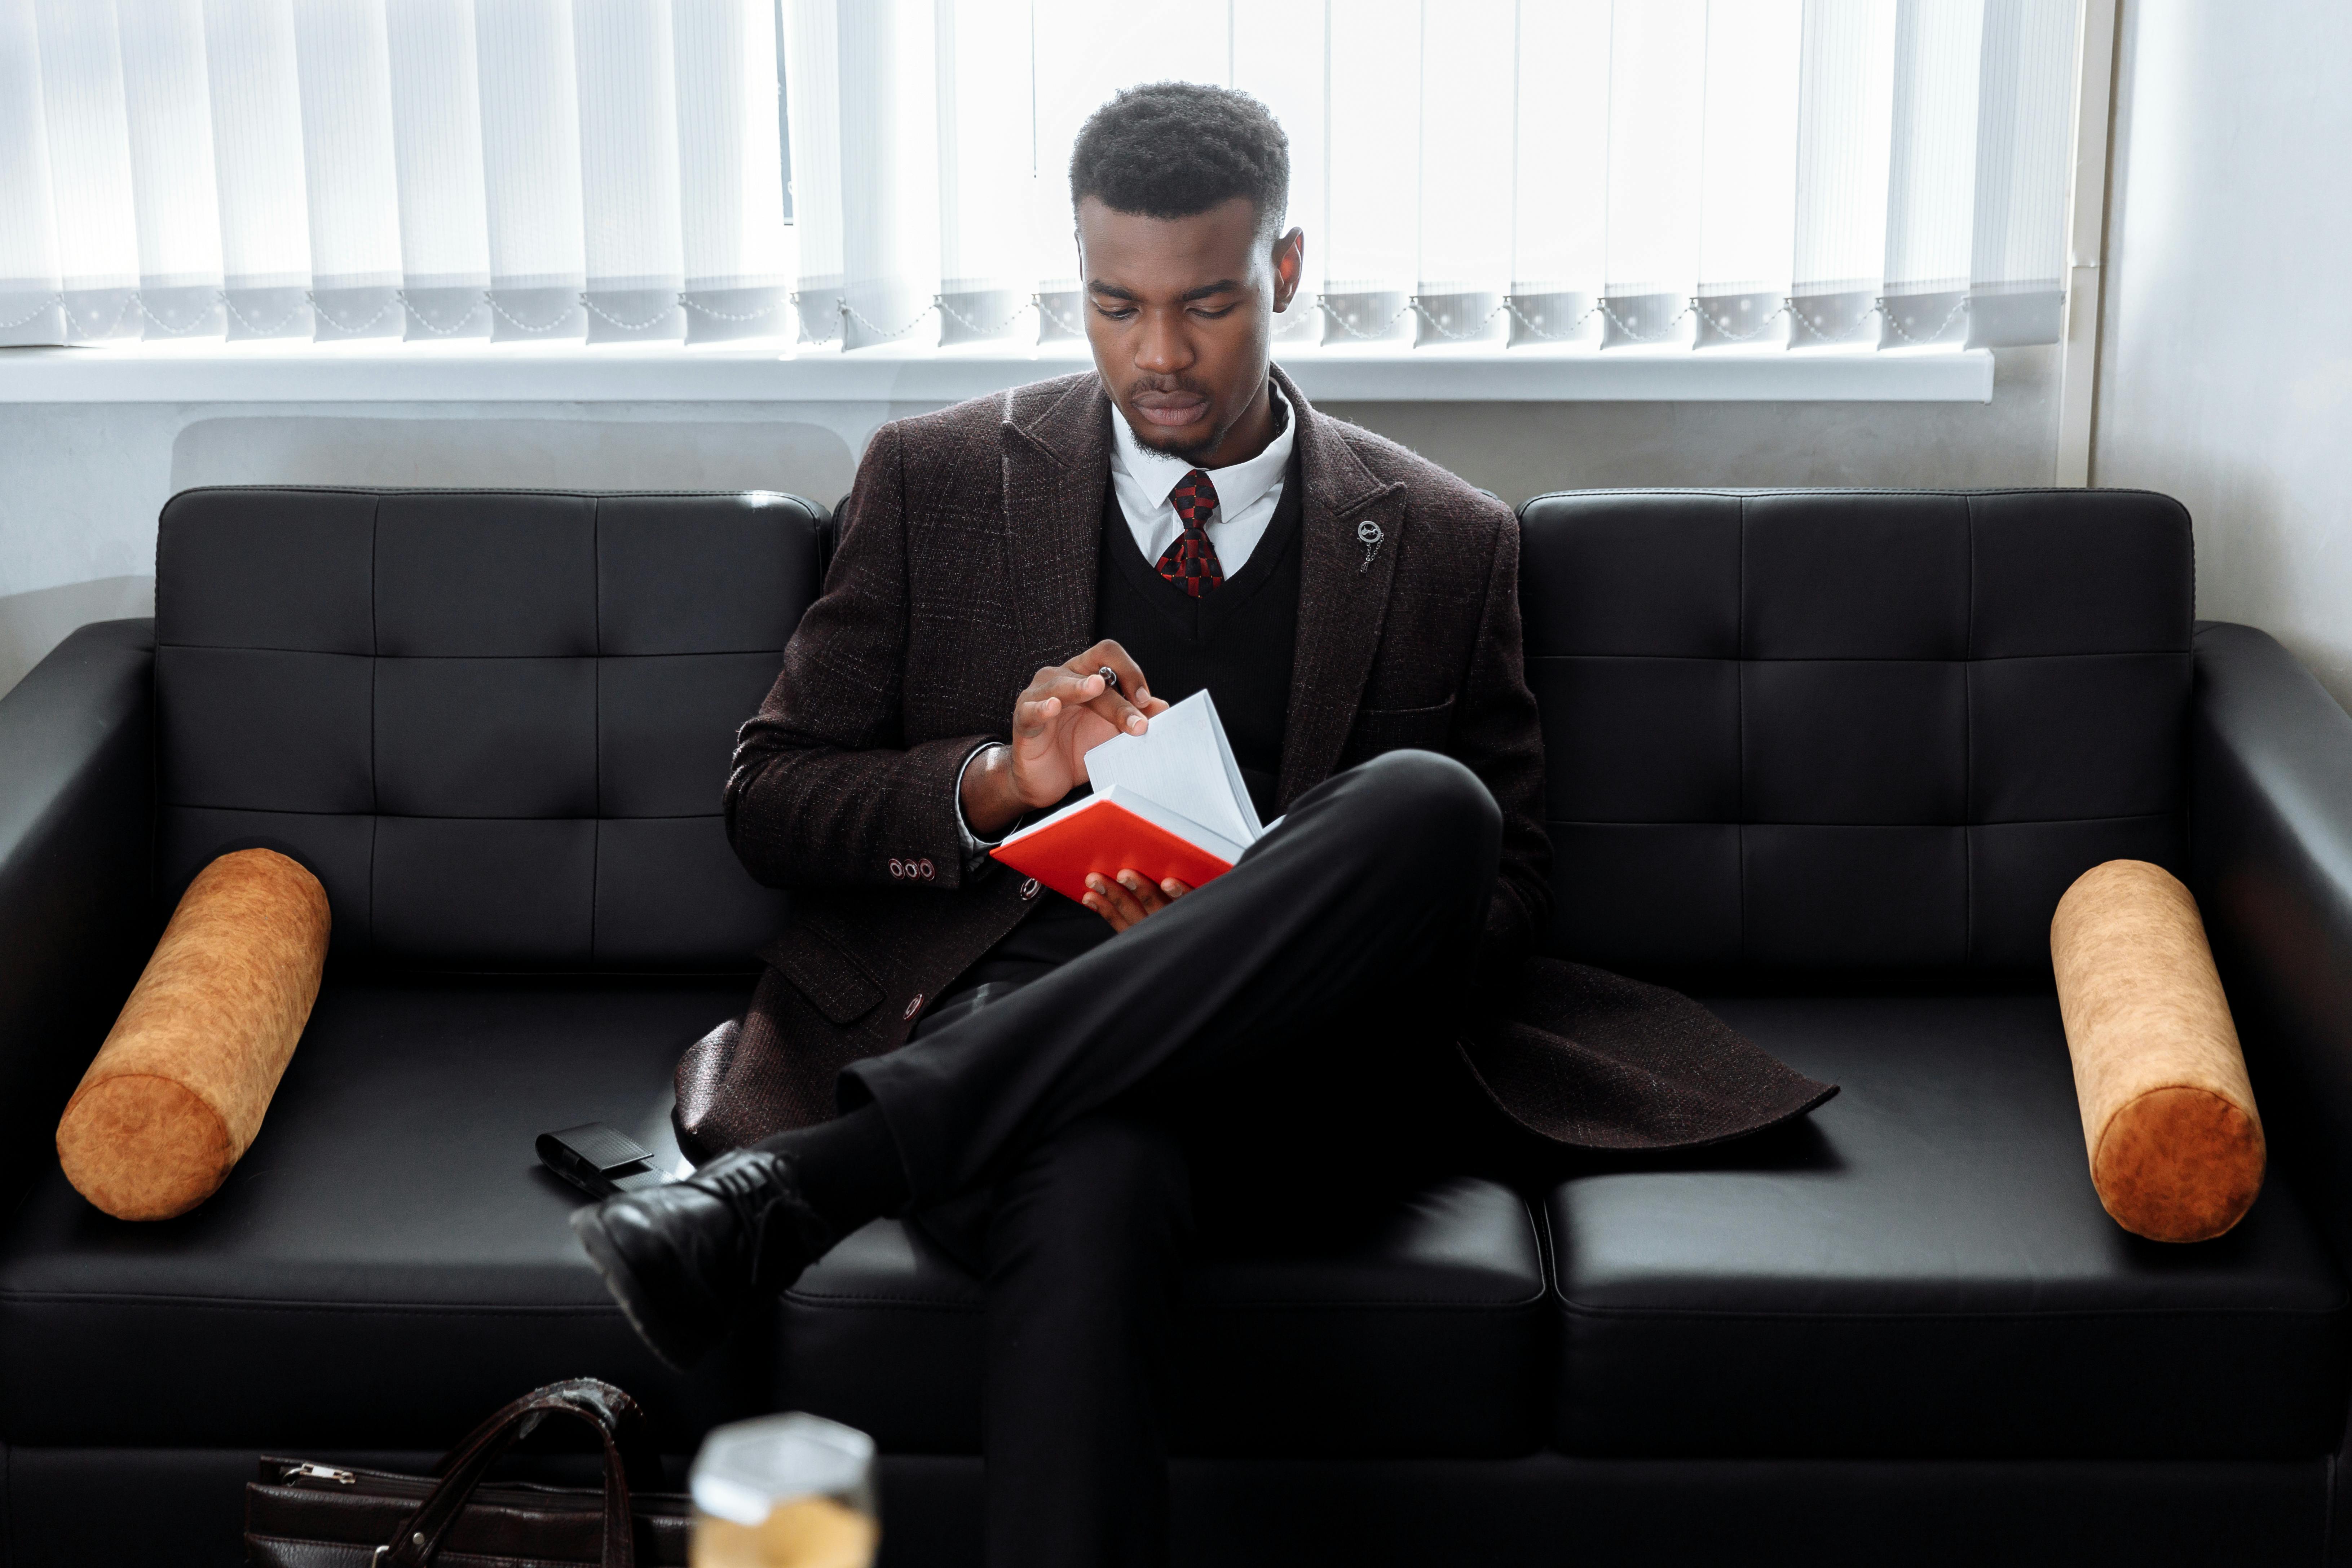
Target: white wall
(2225, 373)
(1522, 449)
(80, 484)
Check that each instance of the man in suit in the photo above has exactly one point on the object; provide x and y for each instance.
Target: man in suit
(1044, 1086)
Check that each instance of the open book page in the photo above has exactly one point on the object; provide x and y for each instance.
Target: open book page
(1177, 825)
(1185, 764)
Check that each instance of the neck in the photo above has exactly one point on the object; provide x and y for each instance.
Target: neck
(1250, 433)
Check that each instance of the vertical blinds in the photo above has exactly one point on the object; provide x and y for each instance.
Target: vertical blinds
(323, 169)
(1703, 172)
(1700, 173)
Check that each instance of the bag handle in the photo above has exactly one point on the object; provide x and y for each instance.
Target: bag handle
(629, 1461)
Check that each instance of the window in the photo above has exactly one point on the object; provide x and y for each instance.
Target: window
(428, 169)
(1704, 176)
(1512, 172)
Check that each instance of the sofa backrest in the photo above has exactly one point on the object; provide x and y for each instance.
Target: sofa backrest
(1856, 730)
(495, 724)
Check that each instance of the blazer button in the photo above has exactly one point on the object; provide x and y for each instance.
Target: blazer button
(897, 868)
(1029, 890)
(926, 868)
(912, 1008)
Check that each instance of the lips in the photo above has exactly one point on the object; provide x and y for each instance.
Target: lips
(1171, 410)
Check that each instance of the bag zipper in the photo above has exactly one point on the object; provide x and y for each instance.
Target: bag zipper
(514, 1494)
(309, 1472)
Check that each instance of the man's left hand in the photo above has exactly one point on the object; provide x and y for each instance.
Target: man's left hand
(1128, 898)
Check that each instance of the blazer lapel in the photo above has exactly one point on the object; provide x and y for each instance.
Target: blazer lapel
(1342, 596)
(1056, 462)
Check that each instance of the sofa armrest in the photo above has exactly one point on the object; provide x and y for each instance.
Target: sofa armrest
(76, 831)
(2271, 863)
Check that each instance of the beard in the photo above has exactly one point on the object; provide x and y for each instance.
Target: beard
(1176, 446)
(1201, 438)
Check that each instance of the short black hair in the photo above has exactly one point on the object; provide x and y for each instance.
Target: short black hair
(1172, 149)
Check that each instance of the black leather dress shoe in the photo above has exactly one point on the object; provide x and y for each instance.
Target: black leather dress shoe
(686, 1259)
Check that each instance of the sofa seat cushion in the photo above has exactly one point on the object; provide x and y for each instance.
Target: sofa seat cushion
(1388, 1325)
(1922, 1269)
(389, 1263)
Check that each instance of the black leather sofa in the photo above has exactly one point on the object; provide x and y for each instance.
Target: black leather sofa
(1827, 758)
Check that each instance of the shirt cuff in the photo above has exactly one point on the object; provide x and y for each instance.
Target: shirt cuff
(975, 847)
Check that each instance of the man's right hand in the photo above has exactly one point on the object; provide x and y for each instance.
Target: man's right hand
(1067, 711)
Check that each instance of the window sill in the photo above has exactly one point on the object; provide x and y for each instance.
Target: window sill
(383, 371)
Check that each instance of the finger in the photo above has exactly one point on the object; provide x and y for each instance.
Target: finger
(1173, 888)
(1081, 681)
(1153, 707)
(1072, 687)
(1110, 914)
(1031, 718)
(1131, 683)
(1120, 901)
(1150, 898)
(1052, 693)
(1119, 712)
(1116, 897)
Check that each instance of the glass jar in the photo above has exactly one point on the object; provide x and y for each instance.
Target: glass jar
(784, 1492)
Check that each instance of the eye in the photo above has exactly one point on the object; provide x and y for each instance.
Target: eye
(1213, 312)
(1113, 313)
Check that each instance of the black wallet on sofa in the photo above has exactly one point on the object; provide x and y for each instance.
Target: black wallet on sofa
(600, 1159)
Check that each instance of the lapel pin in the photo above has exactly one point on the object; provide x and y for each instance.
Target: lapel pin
(1369, 532)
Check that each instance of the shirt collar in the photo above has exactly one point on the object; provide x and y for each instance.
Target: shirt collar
(1238, 484)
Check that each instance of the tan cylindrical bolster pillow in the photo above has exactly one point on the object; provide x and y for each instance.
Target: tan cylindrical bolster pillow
(177, 1092)
(2176, 1150)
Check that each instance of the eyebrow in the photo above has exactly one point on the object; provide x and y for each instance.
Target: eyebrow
(1221, 286)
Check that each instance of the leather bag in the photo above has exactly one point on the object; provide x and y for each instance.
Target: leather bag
(304, 1515)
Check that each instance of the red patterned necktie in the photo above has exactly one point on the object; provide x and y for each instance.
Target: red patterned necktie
(1191, 561)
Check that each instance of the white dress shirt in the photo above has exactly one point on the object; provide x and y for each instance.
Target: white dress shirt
(1247, 491)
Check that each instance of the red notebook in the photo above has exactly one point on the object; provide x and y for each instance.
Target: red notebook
(1113, 832)
(1168, 803)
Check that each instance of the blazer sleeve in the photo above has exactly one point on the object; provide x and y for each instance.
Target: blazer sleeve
(825, 791)
(1498, 735)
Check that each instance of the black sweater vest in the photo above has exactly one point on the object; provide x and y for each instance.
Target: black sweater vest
(1237, 640)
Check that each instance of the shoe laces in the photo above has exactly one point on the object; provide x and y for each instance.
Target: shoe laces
(747, 1180)
(760, 1188)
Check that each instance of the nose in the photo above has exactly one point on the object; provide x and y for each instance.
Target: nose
(1163, 348)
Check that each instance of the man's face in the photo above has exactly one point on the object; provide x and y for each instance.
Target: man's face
(1178, 313)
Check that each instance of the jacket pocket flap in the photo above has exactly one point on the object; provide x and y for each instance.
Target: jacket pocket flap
(820, 971)
(1388, 729)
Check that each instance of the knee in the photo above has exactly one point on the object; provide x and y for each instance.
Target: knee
(1115, 1164)
(1433, 809)
(1103, 1188)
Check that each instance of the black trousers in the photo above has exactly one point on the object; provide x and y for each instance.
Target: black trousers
(1060, 1139)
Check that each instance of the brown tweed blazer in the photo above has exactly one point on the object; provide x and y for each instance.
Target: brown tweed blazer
(966, 562)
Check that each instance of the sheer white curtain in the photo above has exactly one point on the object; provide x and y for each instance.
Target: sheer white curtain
(1701, 174)
(511, 168)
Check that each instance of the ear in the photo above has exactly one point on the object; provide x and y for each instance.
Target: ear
(1289, 266)
(1078, 232)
